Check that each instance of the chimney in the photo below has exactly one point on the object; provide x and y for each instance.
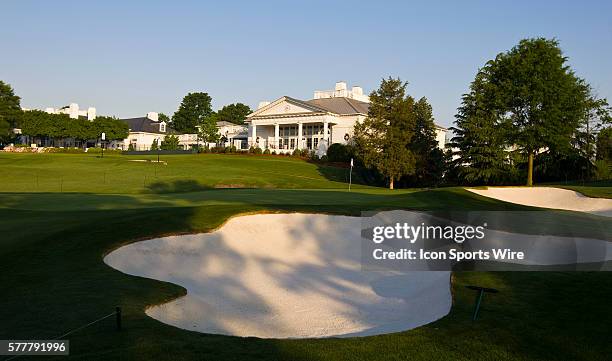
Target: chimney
(340, 86)
(153, 116)
(91, 113)
(262, 104)
(357, 90)
(73, 111)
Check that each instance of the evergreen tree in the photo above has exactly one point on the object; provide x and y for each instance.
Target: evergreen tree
(604, 144)
(429, 158)
(382, 139)
(482, 157)
(194, 108)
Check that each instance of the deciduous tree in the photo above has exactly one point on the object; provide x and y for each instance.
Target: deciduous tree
(194, 108)
(233, 113)
(10, 110)
(170, 142)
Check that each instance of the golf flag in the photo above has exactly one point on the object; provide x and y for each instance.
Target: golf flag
(351, 175)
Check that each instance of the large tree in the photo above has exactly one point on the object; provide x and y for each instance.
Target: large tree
(604, 144)
(10, 110)
(233, 113)
(479, 141)
(429, 158)
(194, 108)
(163, 118)
(382, 139)
(534, 100)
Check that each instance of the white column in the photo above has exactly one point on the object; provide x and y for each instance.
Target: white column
(254, 135)
(276, 135)
(300, 136)
(325, 136)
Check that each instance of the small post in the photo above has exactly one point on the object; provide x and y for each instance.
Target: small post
(118, 317)
(102, 143)
(351, 175)
(481, 291)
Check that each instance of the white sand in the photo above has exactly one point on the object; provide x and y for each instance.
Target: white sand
(283, 276)
(549, 197)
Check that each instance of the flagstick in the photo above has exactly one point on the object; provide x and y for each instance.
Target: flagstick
(351, 175)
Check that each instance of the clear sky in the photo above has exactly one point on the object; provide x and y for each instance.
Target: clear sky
(128, 58)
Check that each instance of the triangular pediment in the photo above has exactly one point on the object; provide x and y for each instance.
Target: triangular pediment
(286, 105)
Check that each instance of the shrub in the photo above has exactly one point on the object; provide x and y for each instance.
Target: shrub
(131, 147)
(267, 151)
(252, 150)
(257, 150)
(297, 153)
(339, 153)
(273, 152)
(324, 158)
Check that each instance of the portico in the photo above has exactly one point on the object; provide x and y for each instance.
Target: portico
(287, 135)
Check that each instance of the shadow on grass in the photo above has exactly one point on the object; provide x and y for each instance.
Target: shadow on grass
(52, 265)
(177, 186)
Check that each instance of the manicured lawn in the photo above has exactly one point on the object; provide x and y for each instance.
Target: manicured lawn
(53, 278)
(88, 173)
(601, 189)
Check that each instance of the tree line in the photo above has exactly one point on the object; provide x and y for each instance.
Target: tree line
(527, 116)
(195, 115)
(40, 124)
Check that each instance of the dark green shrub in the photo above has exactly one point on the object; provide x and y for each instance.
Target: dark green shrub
(267, 151)
(257, 150)
(339, 153)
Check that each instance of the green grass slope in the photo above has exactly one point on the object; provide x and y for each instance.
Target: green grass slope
(53, 278)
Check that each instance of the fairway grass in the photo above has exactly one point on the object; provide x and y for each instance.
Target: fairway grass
(53, 278)
(89, 173)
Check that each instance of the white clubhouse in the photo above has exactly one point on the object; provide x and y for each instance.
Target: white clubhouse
(287, 123)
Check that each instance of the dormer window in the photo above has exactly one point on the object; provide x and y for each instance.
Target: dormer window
(162, 127)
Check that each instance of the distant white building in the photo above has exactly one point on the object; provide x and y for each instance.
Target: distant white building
(233, 134)
(330, 117)
(143, 131)
(73, 111)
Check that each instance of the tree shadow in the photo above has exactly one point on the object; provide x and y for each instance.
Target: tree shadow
(177, 186)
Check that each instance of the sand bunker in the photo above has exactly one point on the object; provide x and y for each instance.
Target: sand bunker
(549, 197)
(283, 276)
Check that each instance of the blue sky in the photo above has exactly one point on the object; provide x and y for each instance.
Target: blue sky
(130, 58)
